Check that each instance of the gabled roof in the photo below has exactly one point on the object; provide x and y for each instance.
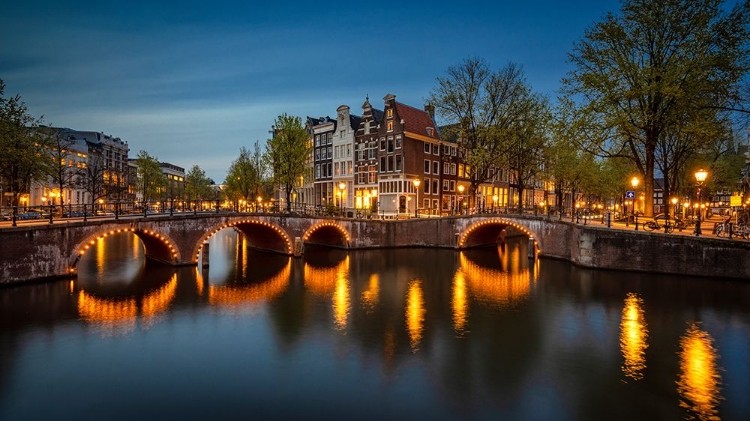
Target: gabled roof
(417, 121)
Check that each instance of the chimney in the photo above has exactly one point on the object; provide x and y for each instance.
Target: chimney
(430, 110)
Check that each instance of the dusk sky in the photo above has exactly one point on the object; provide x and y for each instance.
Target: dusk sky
(191, 83)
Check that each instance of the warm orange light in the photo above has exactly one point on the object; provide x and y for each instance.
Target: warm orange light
(634, 182)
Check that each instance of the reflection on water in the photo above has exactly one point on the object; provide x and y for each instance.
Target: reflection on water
(118, 315)
(250, 291)
(480, 334)
(415, 312)
(633, 337)
(371, 295)
(459, 302)
(493, 284)
(699, 383)
(331, 281)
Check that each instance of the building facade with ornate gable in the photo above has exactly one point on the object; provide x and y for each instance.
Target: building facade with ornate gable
(343, 156)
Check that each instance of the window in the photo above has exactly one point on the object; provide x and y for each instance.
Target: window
(426, 185)
(446, 185)
(390, 112)
(446, 168)
(398, 141)
(426, 166)
(435, 185)
(435, 149)
(337, 168)
(317, 171)
(329, 153)
(426, 147)
(382, 143)
(390, 144)
(453, 185)
(435, 167)
(390, 126)
(382, 164)
(317, 140)
(453, 169)
(398, 163)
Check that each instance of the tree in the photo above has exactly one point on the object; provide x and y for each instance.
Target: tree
(243, 181)
(481, 109)
(637, 74)
(197, 185)
(23, 151)
(61, 175)
(151, 180)
(287, 152)
(526, 142)
(91, 176)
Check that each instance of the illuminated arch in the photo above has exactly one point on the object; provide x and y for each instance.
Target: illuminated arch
(157, 245)
(495, 221)
(282, 234)
(327, 224)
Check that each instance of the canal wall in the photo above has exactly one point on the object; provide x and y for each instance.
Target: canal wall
(655, 252)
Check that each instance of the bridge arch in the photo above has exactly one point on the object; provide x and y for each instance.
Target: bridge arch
(327, 233)
(267, 236)
(157, 245)
(490, 231)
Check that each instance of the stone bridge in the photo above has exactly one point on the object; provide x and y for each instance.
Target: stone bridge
(50, 251)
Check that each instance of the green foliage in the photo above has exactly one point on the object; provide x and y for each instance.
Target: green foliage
(288, 151)
(647, 75)
(23, 150)
(245, 176)
(197, 185)
(151, 180)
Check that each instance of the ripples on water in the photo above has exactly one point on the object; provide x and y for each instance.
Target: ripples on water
(482, 334)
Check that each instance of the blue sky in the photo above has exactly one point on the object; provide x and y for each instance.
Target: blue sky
(192, 82)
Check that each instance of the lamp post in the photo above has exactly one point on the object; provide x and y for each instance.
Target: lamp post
(634, 182)
(460, 198)
(260, 202)
(417, 182)
(342, 186)
(700, 177)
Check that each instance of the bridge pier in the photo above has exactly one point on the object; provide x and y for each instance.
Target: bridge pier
(532, 248)
(299, 247)
(204, 255)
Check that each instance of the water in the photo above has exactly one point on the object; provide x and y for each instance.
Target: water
(391, 334)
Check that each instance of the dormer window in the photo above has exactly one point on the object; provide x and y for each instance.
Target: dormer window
(430, 132)
(389, 113)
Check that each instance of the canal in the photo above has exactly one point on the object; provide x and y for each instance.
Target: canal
(371, 335)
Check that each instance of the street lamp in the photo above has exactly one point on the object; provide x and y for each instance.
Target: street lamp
(634, 182)
(260, 202)
(700, 177)
(342, 186)
(460, 198)
(417, 182)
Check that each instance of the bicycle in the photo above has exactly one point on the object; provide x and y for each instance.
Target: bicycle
(654, 225)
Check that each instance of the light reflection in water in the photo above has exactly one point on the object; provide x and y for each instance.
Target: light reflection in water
(499, 287)
(234, 295)
(159, 300)
(415, 312)
(332, 281)
(371, 295)
(633, 337)
(459, 302)
(118, 316)
(699, 383)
